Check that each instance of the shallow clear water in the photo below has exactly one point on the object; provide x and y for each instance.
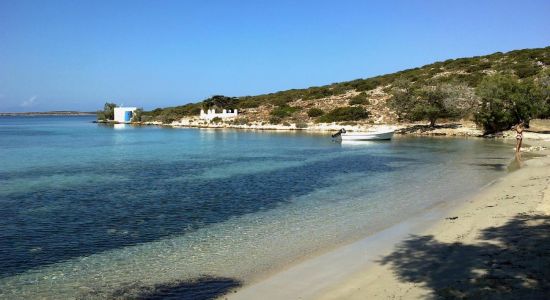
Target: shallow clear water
(94, 211)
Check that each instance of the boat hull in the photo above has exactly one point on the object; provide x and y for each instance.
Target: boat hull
(366, 136)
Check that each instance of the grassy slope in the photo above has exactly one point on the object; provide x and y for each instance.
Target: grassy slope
(523, 63)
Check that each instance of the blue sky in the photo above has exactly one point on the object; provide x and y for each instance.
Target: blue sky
(76, 55)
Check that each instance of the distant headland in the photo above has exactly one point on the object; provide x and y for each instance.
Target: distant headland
(48, 113)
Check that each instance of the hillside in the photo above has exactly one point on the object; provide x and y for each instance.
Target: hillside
(376, 100)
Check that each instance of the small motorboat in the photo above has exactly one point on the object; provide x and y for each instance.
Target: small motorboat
(343, 135)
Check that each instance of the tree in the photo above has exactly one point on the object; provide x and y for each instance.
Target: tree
(461, 100)
(430, 104)
(109, 110)
(505, 100)
(315, 112)
(433, 101)
(220, 101)
(542, 86)
(137, 115)
(402, 100)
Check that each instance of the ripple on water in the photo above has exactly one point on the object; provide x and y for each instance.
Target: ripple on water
(100, 226)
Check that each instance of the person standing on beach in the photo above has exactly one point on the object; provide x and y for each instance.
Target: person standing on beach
(519, 136)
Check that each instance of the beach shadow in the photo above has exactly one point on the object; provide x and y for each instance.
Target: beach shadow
(513, 262)
(493, 166)
(202, 288)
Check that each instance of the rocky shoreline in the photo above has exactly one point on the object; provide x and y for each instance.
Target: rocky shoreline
(449, 129)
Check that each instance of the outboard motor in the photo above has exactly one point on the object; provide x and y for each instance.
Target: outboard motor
(339, 133)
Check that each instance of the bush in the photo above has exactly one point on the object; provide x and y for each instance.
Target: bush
(100, 115)
(526, 69)
(108, 112)
(301, 125)
(249, 102)
(315, 112)
(360, 99)
(137, 115)
(286, 124)
(216, 120)
(344, 114)
(283, 111)
(176, 112)
(317, 93)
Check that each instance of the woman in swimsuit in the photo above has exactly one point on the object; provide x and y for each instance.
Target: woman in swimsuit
(519, 135)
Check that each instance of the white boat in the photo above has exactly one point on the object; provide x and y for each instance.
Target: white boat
(366, 136)
(343, 135)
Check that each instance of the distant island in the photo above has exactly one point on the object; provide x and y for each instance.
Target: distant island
(48, 113)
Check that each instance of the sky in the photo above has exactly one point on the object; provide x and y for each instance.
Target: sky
(77, 55)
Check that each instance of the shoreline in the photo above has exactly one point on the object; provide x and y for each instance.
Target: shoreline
(445, 129)
(355, 271)
(48, 114)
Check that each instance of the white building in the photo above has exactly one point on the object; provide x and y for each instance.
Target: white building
(124, 114)
(211, 114)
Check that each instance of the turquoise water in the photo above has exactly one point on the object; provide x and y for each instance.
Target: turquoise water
(97, 211)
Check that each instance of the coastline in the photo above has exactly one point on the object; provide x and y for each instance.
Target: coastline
(465, 129)
(383, 265)
(47, 113)
(538, 131)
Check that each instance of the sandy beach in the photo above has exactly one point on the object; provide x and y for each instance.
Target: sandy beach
(494, 245)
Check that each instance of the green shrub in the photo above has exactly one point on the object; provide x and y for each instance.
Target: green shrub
(526, 69)
(249, 102)
(301, 125)
(317, 93)
(283, 111)
(315, 112)
(359, 99)
(108, 112)
(216, 120)
(100, 115)
(286, 124)
(341, 114)
(137, 116)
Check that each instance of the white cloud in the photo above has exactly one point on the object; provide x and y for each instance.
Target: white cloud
(29, 102)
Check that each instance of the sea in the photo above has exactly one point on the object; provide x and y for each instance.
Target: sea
(94, 211)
